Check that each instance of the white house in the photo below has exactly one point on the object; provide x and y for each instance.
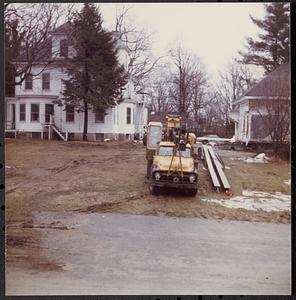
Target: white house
(32, 111)
(256, 104)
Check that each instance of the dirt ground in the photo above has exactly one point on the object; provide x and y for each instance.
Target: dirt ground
(110, 177)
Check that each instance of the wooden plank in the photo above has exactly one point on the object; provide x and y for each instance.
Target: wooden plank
(211, 169)
(219, 168)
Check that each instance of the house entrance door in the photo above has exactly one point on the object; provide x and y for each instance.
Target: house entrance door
(49, 110)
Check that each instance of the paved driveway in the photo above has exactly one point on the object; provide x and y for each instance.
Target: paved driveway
(129, 254)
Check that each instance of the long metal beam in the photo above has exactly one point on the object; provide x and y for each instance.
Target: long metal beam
(219, 168)
(211, 169)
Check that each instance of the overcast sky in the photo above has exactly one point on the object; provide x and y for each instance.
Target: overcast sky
(213, 31)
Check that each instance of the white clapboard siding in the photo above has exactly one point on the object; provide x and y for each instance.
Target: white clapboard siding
(115, 120)
(56, 76)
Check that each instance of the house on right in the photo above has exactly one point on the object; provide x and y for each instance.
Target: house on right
(263, 114)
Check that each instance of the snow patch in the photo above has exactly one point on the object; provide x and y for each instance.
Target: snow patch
(227, 168)
(255, 200)
(288, 182)
(232, 140)
(260, 158)
(237, 158)
(254, 194)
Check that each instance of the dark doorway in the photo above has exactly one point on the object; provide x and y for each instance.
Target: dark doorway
(13, 116)
(49, 110)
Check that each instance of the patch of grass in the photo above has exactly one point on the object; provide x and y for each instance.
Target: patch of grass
(266, 177)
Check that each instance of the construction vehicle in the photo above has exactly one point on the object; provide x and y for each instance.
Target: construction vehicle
(151, 140)
(170, 156)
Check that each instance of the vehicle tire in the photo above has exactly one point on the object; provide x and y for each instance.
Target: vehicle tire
(192, 193)
(154, 190)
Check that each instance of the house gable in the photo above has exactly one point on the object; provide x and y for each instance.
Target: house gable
(274, 84)
(257, 102)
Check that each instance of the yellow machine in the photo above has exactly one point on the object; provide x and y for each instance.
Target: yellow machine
(170, 157)
(151, 140)
(173, 126)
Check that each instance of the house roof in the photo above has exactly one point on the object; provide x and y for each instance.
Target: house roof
(44, 51)
(62, 29)
(269, 86)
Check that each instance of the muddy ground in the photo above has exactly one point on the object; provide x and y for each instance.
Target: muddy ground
(110, 177)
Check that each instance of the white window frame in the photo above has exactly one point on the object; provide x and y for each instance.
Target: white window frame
(71, 114)
(43, 82)
(98, 121)
(35, 121)
(66, 48)
(24, 121)
(130, 115)
(26, 81)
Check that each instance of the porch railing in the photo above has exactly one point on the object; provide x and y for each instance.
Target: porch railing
(9, 125)
(48, 125)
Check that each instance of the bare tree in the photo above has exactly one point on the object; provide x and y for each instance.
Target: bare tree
(159, 101)
(200, 98)
(157, 90)
(189, 82)
(138, 43)
(27, 38)
(180, 85)
(210, 121)
(231, 85)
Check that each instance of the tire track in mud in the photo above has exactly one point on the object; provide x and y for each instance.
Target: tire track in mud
(73, 164)
(92, 177)
(163, 205)
(110, 206)
(118, 157)
(34, 186)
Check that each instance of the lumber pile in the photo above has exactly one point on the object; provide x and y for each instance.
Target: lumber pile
(216, 169)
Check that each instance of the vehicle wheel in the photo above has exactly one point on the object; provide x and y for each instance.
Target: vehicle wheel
(154, 190)
(192, 193)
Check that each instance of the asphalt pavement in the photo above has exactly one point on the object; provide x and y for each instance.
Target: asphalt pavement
(115, 254)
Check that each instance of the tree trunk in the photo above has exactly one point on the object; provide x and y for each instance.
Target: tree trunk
(85, 125)
(276, 150)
